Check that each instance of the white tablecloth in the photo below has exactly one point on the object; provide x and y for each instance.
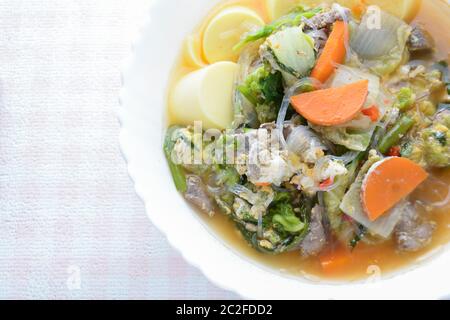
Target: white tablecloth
(71, 225)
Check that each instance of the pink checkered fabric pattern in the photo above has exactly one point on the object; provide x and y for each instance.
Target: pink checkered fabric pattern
(71, 225)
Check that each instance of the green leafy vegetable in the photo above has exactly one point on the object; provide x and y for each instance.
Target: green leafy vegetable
(352, 139)
(292, 51)
(428, 108)
(292, 19)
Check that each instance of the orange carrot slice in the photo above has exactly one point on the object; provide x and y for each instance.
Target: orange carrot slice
(332, 106)
(388, 182)
(373, 113)
(332, 54)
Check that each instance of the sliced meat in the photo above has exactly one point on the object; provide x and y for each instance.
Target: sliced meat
(420, 40)
(413, 232)
(316, 239)
(197, 195)
(326, 19)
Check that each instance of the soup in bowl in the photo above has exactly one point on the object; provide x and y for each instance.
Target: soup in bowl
(313, 136)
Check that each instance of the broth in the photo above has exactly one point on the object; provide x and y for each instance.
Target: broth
(367, 260)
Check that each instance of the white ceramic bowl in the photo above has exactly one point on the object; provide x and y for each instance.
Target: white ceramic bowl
(142, 115)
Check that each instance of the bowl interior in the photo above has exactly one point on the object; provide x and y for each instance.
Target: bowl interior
(142, 115)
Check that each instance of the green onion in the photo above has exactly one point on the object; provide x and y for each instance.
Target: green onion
(394, 135)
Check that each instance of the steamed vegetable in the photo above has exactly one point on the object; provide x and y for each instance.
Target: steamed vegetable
(225, 30)
(244, 110)
(405, 99)
(332, 199)
(442, 66)
(290, 51)
(333, 53)
(334, 106)
(387, 183)
(352, 205)
(345, 75)
(336, 260)
(292, 19)
(381, 48)
(264, 89)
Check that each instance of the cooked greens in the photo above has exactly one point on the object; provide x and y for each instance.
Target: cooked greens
(263, 88)
(290, 51)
